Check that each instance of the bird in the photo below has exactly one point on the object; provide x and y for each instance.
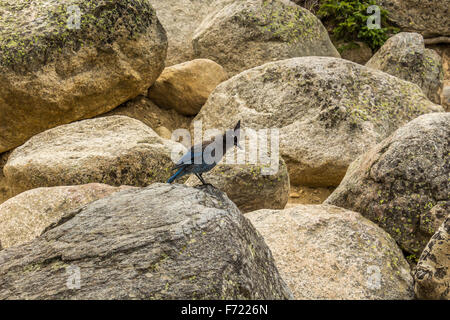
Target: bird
(199, 159)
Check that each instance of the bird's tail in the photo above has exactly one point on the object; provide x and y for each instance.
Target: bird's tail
(175, 176)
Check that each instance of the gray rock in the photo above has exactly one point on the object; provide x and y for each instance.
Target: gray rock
(52, 75)
(326, 252)
(328, 111)
(404, 56)
(160, 242)
(432, 274)
(402, 184)
(249, 33)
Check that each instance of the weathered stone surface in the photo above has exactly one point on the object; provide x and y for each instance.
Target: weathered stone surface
(143, 109)
(358, 52)
(52, 75)
(427, 17)
(185, 87)
(402, 183)
(160, 242)
(114, 150)
(432, 274)
(249, 33)
(446, 97)
(180, 18)
(25, 216)
(328, 110)
(249, 186)
(326, 252)
(404, 56)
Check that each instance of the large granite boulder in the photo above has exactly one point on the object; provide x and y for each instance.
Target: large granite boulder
(326, 252)
(427, 17)
(114, 150)
(249, 33)
(4, 189)
(404, 56)
(402, 184)
(54, 71)
(328, 111)
(25, 216)
(432, 274)
(160, 242)
(185, 87)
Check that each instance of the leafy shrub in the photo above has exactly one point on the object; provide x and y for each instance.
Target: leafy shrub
(349, 19)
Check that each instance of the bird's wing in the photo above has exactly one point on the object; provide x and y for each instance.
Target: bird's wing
(193, 156)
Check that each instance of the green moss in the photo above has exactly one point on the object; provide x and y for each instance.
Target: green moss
(27, 44)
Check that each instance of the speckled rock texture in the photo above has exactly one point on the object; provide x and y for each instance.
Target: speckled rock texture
(249, 186)
(432, 274)
(185, 87)
(160, 242)
(249, 33)
(4, 189)
(146, 111)
(326, 252)
(402, 183)
(114, 150)
(180, 19)
(427, 17)
(328, 111)
(404, 56)
(52, 72)
(25, 216)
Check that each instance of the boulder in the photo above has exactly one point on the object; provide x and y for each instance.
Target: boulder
(404, 56)
(185, 87)
(143, 109)
(427, 17)
(446, 97)
(25, 216)
(328, 111)
(160, 242)
(326, 252)
(249, 33)
(53, 72)
(114, 150)
(432, 274)
(180, 18)
(248, 186)
(402, 183)
(358, 52)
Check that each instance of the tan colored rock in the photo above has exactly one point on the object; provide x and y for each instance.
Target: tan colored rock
(404, 56)
(27, 215)
(328, 111)
(432, 274)
(427, 17)
(326, 252)
(52, 75)
(143, 109)
(248, 187)
(249, 33)
(402, 184)
(114, 150)
(180, 18)
(186, 87)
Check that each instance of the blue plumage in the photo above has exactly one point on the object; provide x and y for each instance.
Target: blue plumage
(198, 159)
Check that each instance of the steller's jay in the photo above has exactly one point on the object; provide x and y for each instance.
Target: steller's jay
(202, 157)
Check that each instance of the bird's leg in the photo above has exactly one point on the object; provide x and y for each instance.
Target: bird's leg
(199, 175)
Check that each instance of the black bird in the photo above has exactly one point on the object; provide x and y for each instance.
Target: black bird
(200, 158)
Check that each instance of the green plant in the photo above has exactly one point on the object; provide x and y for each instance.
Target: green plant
(349, 21)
